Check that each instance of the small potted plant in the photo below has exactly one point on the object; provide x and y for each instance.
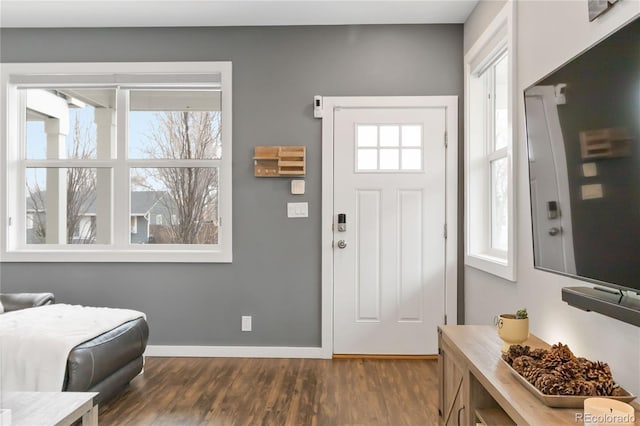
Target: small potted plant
(513, 329)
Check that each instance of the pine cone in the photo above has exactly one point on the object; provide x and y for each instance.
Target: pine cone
(584, 388)
(537, 353)
(550, 384)
(557, 355)
(532, 373)
(522, 362)
(617, 391)
(605, 387)
(514, 352)
(563, 352)
(569, 370)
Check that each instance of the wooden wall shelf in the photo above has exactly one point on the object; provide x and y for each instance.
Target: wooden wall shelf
(604, 143)
(275, 161)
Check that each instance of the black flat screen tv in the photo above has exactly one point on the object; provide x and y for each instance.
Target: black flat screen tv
(583, 143)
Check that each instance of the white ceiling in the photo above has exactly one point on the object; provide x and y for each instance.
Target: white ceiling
(190, 13)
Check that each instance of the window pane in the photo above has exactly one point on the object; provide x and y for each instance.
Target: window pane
(175, 205)
(389, 135)
(67, 123)
(501, 103)
(367, 135)
(499, 204)
(367, 159)
(175, 124)
(61, 205)
(411, 159)
(389, 159)
(412, 135)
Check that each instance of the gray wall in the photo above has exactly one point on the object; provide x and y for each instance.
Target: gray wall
(275, 274)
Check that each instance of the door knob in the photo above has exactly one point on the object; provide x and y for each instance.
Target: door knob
(554, 231)
(342, 244)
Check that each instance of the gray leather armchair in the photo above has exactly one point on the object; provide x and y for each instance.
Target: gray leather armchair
(15, 301)
(104, 364)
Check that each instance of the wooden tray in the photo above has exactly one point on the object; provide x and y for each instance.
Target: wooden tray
(563, 401)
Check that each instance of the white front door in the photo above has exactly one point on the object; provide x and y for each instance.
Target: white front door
(389, 262)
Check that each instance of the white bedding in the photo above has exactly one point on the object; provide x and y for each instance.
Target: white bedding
(35, 342)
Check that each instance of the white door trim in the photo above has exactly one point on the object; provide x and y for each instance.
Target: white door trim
(329, 103)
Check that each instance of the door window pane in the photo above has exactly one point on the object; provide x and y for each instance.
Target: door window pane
(389, 159)
(175, 205)
(175, 124)
(367, 159)
(499, 205)
(389, 135)
(367, 135)
(412, 135)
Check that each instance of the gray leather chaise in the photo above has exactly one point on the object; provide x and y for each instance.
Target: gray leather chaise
(104, 364)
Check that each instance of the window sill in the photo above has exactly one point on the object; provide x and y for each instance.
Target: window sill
(499, 266)
(128, 256)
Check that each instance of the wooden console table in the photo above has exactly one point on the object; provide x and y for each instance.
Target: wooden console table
(51, 408)
(476, 386)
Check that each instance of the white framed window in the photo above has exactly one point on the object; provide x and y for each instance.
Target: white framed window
(489, 148)
(89, 146)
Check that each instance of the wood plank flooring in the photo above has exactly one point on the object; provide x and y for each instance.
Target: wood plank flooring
(237, 391)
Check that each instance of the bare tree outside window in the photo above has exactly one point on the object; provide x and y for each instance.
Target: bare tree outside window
(189, 207)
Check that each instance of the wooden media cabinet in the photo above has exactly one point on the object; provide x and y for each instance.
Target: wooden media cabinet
(477, 386)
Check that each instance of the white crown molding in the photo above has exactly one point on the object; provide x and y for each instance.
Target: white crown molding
(209, 13)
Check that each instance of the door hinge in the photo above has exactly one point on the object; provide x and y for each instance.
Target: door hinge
(445, 231)
(446, 139)
(10, 221)
(445, 320)
(220, 222)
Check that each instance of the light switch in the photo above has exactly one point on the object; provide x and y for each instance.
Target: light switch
(589, 192)
(298, 209)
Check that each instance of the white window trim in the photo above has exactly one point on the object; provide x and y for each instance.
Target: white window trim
(182, 72)
(496, 39)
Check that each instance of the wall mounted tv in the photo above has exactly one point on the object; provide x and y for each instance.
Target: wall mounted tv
(583, 142)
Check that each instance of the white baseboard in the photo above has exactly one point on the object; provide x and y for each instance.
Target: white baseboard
(234, 351)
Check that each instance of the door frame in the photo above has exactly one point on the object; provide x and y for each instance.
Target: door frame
(326, 107)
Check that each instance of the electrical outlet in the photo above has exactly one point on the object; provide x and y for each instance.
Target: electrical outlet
(246, 323)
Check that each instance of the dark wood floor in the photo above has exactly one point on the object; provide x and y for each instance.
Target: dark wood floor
(236, 391)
